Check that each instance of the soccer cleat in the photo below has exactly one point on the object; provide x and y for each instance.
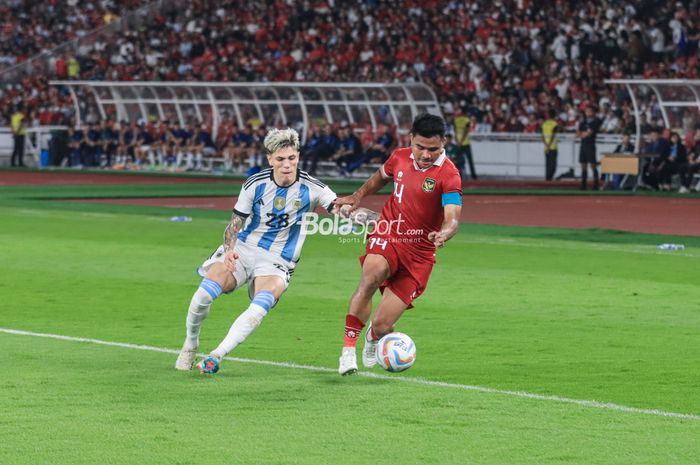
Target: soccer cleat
(209, 365)
(185, 361)
(369, 352)
(348, 361)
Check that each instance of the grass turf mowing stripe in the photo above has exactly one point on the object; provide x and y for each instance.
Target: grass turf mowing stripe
(419, 381)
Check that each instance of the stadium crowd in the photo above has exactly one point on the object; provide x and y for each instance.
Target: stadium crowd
(31, 27)
(504, 63)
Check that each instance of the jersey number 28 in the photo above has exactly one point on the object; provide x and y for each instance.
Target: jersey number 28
(277, 221)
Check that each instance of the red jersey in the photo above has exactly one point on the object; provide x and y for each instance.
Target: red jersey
(416, 207)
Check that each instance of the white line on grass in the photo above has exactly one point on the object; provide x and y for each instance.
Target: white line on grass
(419, 381)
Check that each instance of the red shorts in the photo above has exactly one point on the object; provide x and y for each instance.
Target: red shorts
(409, 271)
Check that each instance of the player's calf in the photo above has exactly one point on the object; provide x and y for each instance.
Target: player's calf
(246, 323)
(197, 312)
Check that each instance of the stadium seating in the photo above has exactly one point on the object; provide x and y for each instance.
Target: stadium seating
(505, 62)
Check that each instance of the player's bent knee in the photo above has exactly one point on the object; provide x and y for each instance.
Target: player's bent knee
(382, 326)
(274, 284)
(222, 276)
(370, 282)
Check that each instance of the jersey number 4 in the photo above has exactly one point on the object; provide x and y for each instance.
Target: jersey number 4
(277, 221)
(398, 191)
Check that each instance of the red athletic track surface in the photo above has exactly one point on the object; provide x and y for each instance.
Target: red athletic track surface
(659, 215)
(656, 215)
(28, 178)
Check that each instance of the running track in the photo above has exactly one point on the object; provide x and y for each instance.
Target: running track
(659, 215)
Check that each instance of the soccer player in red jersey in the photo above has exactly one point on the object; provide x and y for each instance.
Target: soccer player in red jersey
(422, 214)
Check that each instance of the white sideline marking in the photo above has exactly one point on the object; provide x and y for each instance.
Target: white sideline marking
(420, 381)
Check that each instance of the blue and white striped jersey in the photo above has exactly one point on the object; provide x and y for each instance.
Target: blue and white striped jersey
(275, 213)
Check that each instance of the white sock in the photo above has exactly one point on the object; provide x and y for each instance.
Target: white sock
(245, 324)
(197, 313)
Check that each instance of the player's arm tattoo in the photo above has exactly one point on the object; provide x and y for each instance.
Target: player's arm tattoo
(231, 231)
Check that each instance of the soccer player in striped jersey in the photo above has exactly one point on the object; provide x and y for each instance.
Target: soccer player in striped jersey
(262, 245)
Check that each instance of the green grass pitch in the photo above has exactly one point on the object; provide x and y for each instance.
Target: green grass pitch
(565, 315)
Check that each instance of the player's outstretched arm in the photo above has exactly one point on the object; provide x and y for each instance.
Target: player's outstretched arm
(450, 225)
(371, 186)
(230, 236)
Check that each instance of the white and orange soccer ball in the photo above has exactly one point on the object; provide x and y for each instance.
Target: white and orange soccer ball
(396, 352)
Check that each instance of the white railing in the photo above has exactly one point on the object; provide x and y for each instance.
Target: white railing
(677, 101)
(271, 103)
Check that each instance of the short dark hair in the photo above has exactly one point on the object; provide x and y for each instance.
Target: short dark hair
(428, 125)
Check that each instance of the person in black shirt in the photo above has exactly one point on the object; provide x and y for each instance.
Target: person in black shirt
(676, 162)
(587, 131)
(694, 160)
(76, 145)
(109, 142)
(93, 145)
(661, 148)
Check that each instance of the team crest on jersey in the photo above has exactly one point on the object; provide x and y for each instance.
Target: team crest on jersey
(428, 185)
(279, 203)
(297, 204)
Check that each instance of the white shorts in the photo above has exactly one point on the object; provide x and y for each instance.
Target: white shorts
(252, 262)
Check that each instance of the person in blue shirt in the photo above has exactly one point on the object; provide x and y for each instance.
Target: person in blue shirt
(349, 147)
(169, 144)
(144, 149)
(242, 147)
(76, 145)
(182, 141)
(92, 143)
(110, 142)
(378, 152)
(202, 145)
(325, 148)
(127, 141)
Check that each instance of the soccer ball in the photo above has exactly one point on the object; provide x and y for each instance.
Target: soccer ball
(396, 352)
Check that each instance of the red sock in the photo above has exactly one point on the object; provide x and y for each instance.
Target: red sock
(353, 328)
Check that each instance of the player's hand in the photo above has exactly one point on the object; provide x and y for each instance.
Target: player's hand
(230, 260)
(352, 200)
(438, 238)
